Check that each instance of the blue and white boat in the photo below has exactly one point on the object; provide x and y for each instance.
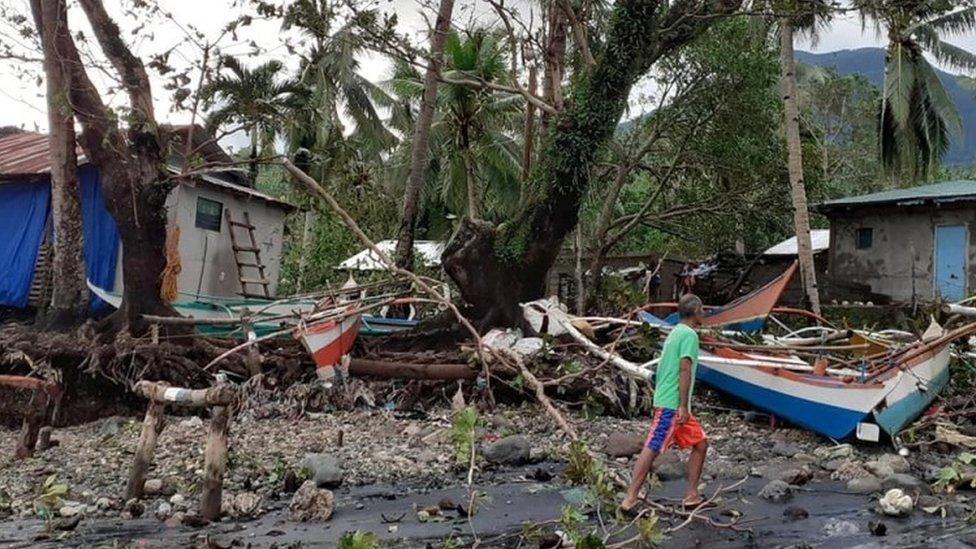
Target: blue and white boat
(888, 393)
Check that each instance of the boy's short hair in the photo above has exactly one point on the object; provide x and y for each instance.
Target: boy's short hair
(688, 305)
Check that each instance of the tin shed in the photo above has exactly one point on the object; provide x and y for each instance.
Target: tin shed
(909, 244)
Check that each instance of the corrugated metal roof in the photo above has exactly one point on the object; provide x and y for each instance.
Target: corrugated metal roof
(428, 253)
(819, 240)
(25, 154)
(949, 191)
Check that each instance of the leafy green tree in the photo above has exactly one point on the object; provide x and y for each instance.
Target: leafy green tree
(256, 98)
(918, 118)
(473, 167)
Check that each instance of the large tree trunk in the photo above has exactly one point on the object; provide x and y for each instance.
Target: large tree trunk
(421, 138)
(497, 268)
(132, 164)
(794, 147)
(69, 298)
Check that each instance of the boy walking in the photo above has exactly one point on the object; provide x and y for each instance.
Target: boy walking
(673, 422)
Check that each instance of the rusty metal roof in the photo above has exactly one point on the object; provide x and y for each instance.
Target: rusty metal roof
(26, 154)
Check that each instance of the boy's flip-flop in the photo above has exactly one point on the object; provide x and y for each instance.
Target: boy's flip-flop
(701, 503)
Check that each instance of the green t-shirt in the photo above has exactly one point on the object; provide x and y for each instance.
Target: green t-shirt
(682, 342)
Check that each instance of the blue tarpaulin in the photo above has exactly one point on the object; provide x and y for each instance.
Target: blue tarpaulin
(24, 209)
(23, 214)
(100, 231)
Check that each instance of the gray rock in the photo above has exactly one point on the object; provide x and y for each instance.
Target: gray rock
(836, 528)
(907, 483)
(777, 491)
(193, 422)
(796, 477)
(864, 485)
(795, 512)
(152, 487)
(623, 444)
(786, 449)
(879, 469)
(833, 464)
(71, 510)
(178, 501)
(111, 426)
(104, 504)
(725, 470)
(897, 463)
(326, 469)
(163, 511)
(311, 503)
(670, 467)
(513, 450)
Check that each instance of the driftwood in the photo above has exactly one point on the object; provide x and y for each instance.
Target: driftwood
(152, 426)
(220, 399)
(405, 370)
(220, 395)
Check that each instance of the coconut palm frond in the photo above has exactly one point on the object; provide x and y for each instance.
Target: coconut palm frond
(945, 53)
(954, 23)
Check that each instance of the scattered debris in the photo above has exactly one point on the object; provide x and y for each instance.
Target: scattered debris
(896, 503)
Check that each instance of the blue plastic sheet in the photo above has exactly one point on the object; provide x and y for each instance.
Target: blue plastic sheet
(23, 214)
(101, 234)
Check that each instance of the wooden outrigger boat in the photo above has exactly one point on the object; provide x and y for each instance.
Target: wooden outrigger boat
(268, 316)
(330, 339)
(746, 314)
(889, 391)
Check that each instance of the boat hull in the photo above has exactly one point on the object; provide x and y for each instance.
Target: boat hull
(329, 340)
(907, 402)
(377, 325)
(830, 407)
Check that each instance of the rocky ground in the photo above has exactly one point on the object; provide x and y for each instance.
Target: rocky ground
(271, 457)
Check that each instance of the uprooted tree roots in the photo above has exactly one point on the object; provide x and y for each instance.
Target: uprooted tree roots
(96, 378)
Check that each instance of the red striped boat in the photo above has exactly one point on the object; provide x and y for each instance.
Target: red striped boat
(329, 340)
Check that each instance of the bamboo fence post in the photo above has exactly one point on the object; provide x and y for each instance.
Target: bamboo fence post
(152, 426)
(215, 461)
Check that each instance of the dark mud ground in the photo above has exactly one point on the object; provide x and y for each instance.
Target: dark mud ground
(836, 519)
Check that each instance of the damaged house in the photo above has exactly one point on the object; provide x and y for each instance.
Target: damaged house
(230, 234)
(915, 244)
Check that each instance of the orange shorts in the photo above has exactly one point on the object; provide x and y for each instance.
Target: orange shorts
(665, 430)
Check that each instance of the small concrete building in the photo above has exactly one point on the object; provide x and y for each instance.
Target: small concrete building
(202, 206)
(915, 244)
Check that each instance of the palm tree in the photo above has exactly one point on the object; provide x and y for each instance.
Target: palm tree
(255, 98)
(917, 116)
(474, 163)
(331, 89)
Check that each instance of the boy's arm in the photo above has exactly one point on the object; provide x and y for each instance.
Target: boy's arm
(684, 387)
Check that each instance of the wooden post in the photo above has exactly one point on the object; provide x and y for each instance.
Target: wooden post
(215, 460)
(36, 412)
(252, 358)
(44, 438)
(151, 427)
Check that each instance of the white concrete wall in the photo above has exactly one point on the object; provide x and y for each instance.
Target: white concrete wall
(206, 257)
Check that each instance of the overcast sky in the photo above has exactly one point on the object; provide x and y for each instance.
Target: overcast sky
(22, 102)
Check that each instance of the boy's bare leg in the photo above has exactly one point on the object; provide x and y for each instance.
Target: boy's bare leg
(695, 463)
(641, 469)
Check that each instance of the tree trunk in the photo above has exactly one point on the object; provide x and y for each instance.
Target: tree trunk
(308, 231)
(794, 147)
(421, 138)
(132, 164)
(69, 298)
(498, 268)
(472, 186)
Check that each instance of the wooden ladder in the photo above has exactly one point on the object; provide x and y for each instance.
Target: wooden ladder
(256, 264)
